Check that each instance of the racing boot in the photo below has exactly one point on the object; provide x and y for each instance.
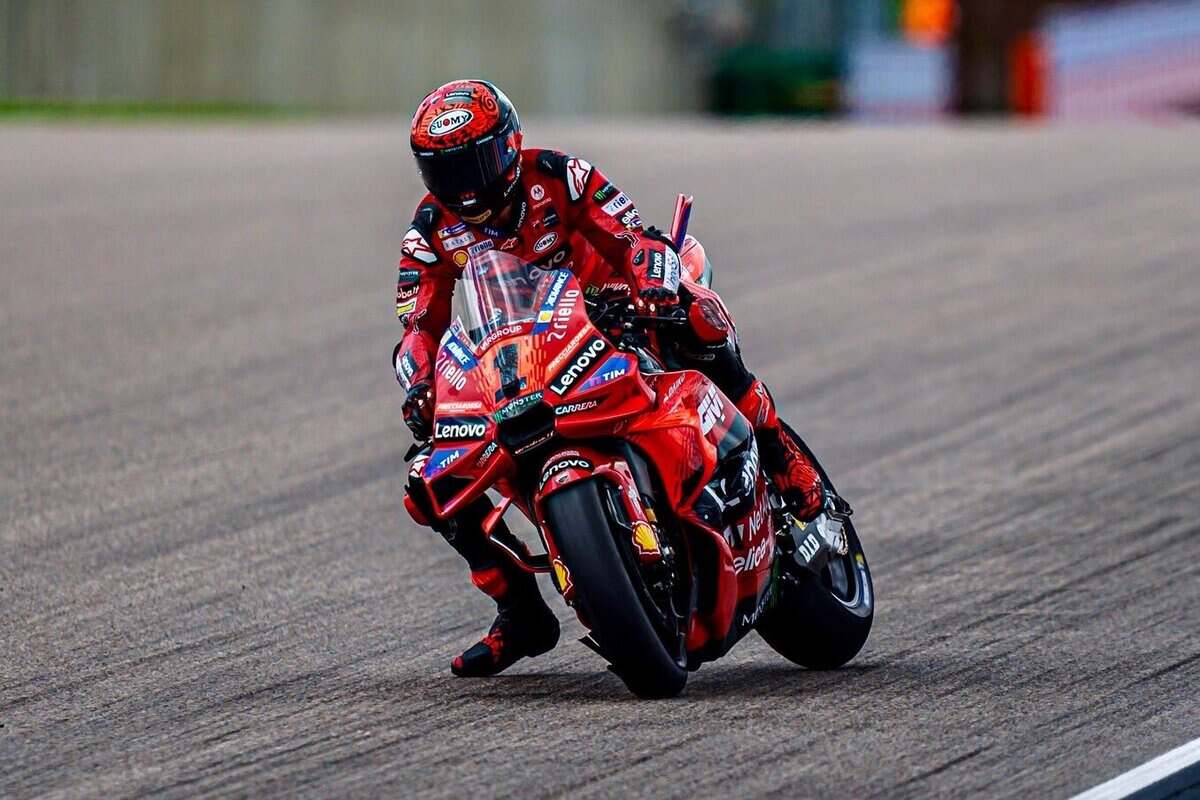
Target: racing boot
(525, 625)
(788, 465)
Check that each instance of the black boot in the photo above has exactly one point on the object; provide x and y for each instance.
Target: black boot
(519, 631)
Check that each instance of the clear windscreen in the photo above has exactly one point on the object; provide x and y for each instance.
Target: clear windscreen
(497, 289)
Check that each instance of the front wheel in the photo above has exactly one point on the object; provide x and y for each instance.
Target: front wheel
(604, 589)
(822, 621)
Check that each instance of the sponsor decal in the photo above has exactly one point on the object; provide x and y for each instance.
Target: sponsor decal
(671, 277)
(546, 312)
(562, 576)
(673, 388)
(460, 405)
(486, 455)
(406, 308)
(545, 243)
(575, 408)
(510, 243)
(461, 354)
(415, 246)
(441, 460)
(450, 121)
(630, 219)
(560, 465)
(562, 313)
(644, 539)
(588, 355)
(711, 410)
(538, 442)
(497, 335)
(451, 371)
(459, 428)
(617, 366)
(758, 516)
(480, 247)
(809, 547)
(456, 242)
(578, 172)
(763, 604)
(453, 230)
(616, 205)
(568, 350)
(558, 259)
(753, 557)
(405, 369)
(408, 279)
(461, 258)
(517, 407)
(656, 267)
(537, 192)
(604, 192)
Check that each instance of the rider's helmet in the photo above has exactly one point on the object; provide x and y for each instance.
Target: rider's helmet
(466, 138)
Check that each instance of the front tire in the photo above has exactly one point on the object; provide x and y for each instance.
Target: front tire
(605, 593)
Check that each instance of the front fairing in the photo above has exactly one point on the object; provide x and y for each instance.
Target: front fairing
(518, 380)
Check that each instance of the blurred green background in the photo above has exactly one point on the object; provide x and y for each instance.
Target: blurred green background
(864, 58)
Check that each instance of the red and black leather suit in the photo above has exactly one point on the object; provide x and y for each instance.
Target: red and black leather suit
(567, 214)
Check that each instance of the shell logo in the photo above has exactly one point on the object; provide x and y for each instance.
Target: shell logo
(644, 539)
(562, 576)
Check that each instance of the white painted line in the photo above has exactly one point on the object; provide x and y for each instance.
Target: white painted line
(1147, 774)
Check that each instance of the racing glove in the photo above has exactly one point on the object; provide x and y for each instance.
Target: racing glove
(415, 374)
(655, 269)
(418, 411)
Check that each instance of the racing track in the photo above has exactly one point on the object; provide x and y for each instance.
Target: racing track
(207, 585)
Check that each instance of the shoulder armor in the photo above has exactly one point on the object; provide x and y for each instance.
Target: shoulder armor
(417, 240)
(574, 172)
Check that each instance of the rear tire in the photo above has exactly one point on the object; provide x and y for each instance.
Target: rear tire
(814, 624)
(606, 595)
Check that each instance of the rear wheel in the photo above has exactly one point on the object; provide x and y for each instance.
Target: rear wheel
(612, 594)
(822, 621)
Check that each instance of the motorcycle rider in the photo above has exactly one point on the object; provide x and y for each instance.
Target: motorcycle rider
(486, 191)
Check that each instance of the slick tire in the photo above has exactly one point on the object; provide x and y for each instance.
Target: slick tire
(606, 595)
(812, 627)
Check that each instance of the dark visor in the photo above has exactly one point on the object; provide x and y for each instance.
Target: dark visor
(449, 174)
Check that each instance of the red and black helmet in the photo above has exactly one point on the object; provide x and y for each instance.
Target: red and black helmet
(466, 138)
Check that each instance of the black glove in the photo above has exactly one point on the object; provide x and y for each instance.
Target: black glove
(418, 411)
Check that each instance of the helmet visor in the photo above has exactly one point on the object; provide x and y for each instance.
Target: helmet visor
(452, 175)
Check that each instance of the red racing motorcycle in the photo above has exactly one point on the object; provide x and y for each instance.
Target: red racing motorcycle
(562, 406)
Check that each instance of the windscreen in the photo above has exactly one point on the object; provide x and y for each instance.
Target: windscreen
(495, 290)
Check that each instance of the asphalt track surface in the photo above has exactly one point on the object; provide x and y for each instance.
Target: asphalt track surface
(208, 586)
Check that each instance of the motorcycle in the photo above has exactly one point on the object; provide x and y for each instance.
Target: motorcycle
(563, 406)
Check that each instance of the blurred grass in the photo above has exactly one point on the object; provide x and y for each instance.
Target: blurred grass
(55, 110)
